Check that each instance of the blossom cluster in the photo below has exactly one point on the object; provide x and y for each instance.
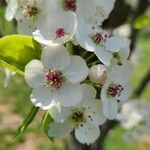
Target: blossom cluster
(78, 99)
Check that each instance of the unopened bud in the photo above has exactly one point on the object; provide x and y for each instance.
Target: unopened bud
(98, 74)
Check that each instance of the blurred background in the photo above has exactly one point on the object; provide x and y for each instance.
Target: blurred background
(129, 18)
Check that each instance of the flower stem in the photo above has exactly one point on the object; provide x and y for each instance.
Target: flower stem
(70, 47)
(90, 57)
(27, 121)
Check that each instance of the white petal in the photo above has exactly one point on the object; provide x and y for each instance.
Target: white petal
(70, 95)
(46, 31)
(104, 56)
(94, 113)
(121, 74)
(77, 70)
(59, 130)
(110, 109)
(55, 57)
(107, 6)
(9, 75)
(110, 105)
(34, 73)
(114, 43)
(11, 9)
(82, 35)
(42, 97)
(26, 26)
(125, 93)
(89, 94)
(87, 133)
(59, 115)
(96, 14)
(124, 53)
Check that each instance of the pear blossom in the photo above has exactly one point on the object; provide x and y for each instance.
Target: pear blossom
(83, 118)
(98, 73)
(56, 78)
(101, 42)
(98, 10)
(116, 89)
(58, 28)
(9, 75)
(28, 13)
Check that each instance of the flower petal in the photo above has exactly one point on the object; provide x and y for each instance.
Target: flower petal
(89, 94)
(11, 9)
(59, 115)
(55, 57)
(103, 55)
(59, 130)
(26, 26)
(87, 133)
(34, 73)
(9, 75)
(114, 43)
(94, 113)
(70, 95)
(121, 74)
(110, 105)
(77, 70)
(42, 97)
(125, 93)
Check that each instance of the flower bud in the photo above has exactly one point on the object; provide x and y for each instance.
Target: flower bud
(98, 74)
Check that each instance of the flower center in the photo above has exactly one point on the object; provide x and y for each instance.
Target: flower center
(97, 38)
(114, 90)
(100, 38)
(69, 5)
(32, 11)
(60, 33)
(55, 79)
(77, 116)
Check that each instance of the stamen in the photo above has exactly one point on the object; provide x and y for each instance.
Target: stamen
(32, 11)
(69, 5)
(98, 38)
(54, 78)
(114, 90)
(77, 116)
(60, 33)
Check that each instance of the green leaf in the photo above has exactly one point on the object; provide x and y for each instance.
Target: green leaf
(46, 122)
(142, 21)
(17, 50)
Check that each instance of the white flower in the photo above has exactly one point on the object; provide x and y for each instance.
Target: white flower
(91, 11)
(56, 78)
(98, 73)
(96, 40)
(84, 118)
(58, 27)
(116, 89)
(9, 75)
(28, 13)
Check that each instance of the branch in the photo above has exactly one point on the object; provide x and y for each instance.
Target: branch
(143, 84)
(142, 6)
